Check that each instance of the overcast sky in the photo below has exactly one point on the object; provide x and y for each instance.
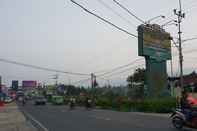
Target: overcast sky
(57, 34)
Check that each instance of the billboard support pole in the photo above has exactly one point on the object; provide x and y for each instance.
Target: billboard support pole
(154, 43)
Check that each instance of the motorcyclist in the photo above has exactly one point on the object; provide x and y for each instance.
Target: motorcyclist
(186, 107)
(72, 102)
(88, 103)
(23, 101)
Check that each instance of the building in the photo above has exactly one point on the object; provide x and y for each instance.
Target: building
(189, 83)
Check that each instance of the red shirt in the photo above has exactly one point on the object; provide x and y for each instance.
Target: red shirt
(192, 100)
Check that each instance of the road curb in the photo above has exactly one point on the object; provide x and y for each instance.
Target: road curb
(35, 123)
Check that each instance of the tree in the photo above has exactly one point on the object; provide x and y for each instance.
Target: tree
(138, 77)
(136, 84)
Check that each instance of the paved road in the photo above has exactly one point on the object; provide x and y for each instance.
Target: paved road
(60, 118)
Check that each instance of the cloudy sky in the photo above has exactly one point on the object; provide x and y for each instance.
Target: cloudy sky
(59, 35)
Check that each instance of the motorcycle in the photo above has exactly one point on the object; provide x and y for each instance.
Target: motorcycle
(23, 102)
(88, 104)
(179, 120)
(72, 104)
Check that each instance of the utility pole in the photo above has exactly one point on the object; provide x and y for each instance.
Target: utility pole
(0, 84)
(92, 80)
(171, 66)
(180, 16)
(56, 79)
(108, 82)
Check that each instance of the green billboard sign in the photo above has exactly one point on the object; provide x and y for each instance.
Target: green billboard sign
(155, 45)
(154, 42)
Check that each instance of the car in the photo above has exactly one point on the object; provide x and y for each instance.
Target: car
(8, 99)
(19, 94)
(39, 100)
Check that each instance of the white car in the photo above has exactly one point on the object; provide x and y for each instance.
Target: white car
(8, 99)
(39, 100)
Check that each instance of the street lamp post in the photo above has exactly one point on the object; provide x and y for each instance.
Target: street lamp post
(171, 22)
(160, 16)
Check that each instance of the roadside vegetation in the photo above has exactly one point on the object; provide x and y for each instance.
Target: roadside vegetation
(132, 97)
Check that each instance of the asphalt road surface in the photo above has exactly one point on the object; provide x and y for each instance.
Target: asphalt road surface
(60, 118)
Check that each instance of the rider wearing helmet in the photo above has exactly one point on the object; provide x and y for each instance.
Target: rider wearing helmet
(186, 107)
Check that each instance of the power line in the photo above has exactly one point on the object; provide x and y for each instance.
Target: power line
(123, 71)
(99, 17)
(180, 15)
(120, 67)
(40, 68)
(190, 51)
(101, 77)
(191, 6)
(115, 12)
(81, 81)
(110, 23)
(187, 52)
(129, 12)
(194, 38)
(184, 40)
(189, 3)
(111, 71)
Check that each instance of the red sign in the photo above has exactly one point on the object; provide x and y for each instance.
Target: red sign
(29, 84)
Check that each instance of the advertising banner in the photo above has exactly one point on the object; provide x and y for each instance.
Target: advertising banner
(29, 84)
(14, 84)
(154, 42)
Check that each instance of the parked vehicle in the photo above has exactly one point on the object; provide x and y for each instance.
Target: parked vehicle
(57, 100)
(8, 99)
(19, 94)
(179, 120)
(39, 100)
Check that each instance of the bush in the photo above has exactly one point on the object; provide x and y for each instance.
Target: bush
(104, 103)
(162, 105)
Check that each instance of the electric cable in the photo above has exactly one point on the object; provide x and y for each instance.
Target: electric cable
(116, 13)
(40, 68)
(120, 67)
(132, 14)
(101, 18)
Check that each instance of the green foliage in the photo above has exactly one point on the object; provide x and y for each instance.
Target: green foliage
(163, 105)
(136, 92)
(138, 76)
(120, 104)
(136, 84)
(104, 103)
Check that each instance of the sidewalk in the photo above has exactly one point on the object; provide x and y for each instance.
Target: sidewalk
(11, 119)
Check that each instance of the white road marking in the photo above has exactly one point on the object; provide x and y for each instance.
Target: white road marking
(36, 121)
(107, 119)
(100, 117)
